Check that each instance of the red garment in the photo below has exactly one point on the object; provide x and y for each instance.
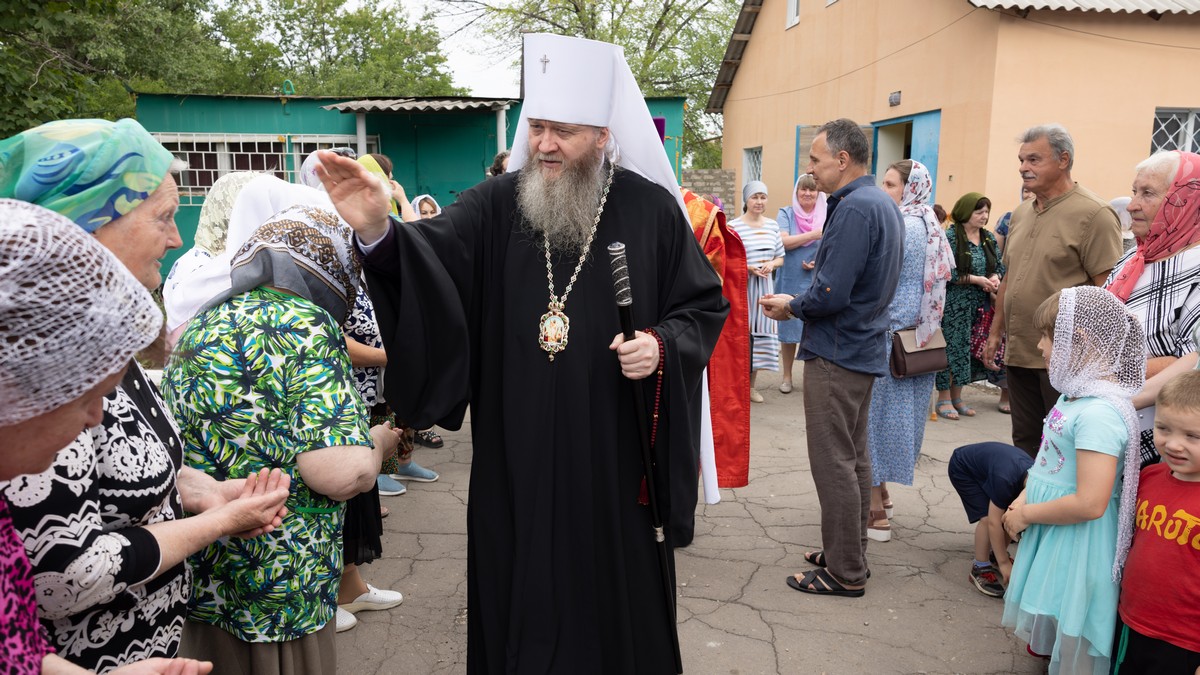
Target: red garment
(729, 366)
(1160, 588)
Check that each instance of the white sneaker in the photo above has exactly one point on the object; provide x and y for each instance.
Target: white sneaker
(373, 599)
(345, 620)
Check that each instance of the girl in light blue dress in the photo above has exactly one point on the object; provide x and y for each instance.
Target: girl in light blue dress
(1075, 517)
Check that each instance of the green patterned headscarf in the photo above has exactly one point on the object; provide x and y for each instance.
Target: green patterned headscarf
(91, 171)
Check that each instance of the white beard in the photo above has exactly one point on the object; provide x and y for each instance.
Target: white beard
(562, 209)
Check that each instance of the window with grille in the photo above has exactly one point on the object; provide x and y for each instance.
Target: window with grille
(1176, 129)
(751, 164)
(210, 156)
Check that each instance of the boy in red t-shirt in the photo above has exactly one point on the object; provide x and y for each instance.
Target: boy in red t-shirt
(1160, 588)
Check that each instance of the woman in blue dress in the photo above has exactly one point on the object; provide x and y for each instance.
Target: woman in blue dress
(896, 423)
(801, 225)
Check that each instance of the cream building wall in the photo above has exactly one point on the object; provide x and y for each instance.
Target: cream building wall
(990, 74)
(1102, 75)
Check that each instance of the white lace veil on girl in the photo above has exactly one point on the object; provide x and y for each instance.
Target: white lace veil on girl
(1100, 351)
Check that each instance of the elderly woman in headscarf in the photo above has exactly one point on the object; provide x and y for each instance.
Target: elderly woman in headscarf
(258, 198)
(259, 378)
(764, 255)
(105, 524)
(1159, 280)
(896, 426)
(52, 385)
(976, 275)
(801, 226)
(211, 233)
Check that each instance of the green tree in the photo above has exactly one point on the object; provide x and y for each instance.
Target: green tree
(332, 48)
(84, 58)
(81, 57)
(674, 48)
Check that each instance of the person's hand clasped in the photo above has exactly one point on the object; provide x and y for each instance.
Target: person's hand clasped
(360, 198)
(1015, 521)
(763, 271)
(260, 507)
(638, 357)
(775, 306)
(385, 437)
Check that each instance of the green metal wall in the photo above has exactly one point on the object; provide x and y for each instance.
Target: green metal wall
(241, 114)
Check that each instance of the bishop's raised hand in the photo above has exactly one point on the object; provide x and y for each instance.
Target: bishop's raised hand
(360, 198)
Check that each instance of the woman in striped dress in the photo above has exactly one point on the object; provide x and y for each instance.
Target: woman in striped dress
(764, 255)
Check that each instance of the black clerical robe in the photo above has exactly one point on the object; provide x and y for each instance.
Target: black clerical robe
(562, 568)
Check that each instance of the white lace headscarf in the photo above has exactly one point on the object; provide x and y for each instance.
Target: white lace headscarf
(1100, 351)
(70, 313)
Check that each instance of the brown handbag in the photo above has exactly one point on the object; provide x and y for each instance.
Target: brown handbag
(909, 360)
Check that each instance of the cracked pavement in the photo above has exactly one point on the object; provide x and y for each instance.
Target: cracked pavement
(920, 614)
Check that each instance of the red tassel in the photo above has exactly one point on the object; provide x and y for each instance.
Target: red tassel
(643, 494)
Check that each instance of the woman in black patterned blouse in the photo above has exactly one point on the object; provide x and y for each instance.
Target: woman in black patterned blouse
(104, 526)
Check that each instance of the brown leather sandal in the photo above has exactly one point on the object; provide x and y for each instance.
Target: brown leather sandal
(878, 532)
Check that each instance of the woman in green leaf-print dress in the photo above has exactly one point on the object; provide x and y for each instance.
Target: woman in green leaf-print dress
(262, 378)
(977, 273)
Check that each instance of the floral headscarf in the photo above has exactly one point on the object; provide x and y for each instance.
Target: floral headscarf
(1175, 227)
(305, 250)
(91, 171)
(939, 258)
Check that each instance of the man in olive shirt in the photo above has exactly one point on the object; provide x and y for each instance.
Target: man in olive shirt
(1065, 237)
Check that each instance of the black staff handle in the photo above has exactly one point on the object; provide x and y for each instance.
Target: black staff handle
(624, 294)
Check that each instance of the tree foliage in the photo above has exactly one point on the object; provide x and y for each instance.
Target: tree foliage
(84, 58)
(674, 48)
(332, 47)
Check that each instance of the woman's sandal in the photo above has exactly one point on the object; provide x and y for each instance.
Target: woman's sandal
(821, 582)
(1004, 408)
(429, 438)
(888, 506)
(881, 532)
(962, 408)
(945, 410)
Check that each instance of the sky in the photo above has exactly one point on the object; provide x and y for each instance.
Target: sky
(483, 75)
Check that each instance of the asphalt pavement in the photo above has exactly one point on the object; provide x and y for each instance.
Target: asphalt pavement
(920, 613)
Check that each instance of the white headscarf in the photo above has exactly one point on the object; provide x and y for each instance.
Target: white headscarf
(577, 81)
(416, 204)
(1100, 351)
(260, 199)
(308, 170)
(70, 313)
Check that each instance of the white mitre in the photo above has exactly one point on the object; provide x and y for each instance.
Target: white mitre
(577, 81)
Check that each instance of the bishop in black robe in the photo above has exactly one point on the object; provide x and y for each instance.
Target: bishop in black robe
(562, 570)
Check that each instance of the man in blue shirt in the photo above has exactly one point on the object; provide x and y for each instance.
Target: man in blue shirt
(845, 315)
